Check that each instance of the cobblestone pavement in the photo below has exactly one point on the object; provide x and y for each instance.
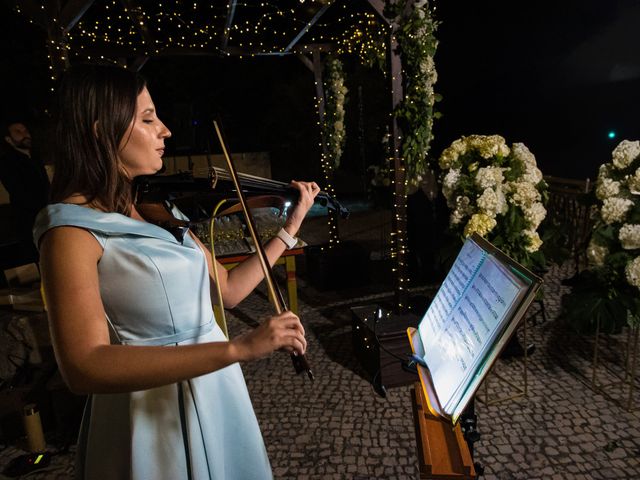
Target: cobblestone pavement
(339, 428)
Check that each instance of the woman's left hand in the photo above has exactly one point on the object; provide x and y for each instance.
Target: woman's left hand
(308, 192)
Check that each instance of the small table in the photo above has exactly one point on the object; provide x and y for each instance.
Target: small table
(288, 259)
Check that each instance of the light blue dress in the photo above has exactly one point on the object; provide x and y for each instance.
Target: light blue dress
(155, 291)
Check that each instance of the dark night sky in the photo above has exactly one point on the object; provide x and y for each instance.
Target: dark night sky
(556, 75)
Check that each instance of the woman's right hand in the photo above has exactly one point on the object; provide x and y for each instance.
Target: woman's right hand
(280, 332)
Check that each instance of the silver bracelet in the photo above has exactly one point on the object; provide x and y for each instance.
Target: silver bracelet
(288, 240)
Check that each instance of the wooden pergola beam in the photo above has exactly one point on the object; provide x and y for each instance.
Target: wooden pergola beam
(305, 60)
(72, 12)
(298, 49)
(137, 63)
(306, 28)
(231, 11)
(110, 51)
(378, 7)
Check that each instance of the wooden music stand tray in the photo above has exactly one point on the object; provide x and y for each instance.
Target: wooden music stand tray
(443, 452)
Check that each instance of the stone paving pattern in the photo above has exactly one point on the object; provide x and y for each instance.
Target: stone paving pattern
(339, 428)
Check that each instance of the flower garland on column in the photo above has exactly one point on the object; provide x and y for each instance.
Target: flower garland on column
(418, 44)
(333, 130)
(414, 31)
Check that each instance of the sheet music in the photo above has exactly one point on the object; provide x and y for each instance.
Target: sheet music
(469, 259)
(464, 318)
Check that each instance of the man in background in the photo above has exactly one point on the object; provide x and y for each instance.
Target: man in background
(26, 181)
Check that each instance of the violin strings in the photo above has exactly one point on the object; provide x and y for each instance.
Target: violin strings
(253, 181)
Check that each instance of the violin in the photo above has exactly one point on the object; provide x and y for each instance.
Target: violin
(217, 185)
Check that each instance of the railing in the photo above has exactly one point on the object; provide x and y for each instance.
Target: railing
(569, 210)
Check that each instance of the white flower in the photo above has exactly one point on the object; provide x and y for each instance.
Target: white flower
(523, 194)
(427, 65)
(449, 183)
(605, 170)
(532, 175)
(632, 272)
(634, 182)
(607, 188)
(461, 210)
(596, 253)
(333, 127)
(625, 153)
(489, 177)
(431, 79)
(534, 214)
(615, 209)
(492, 202)
(503, 205)
(522, 153)
(629, 236)
(488, 202)
(456, 217)
(534, 242)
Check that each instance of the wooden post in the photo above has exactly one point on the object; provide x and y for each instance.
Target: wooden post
(399, 219)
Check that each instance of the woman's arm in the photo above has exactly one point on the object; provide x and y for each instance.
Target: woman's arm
(87, 360)
(240, 282)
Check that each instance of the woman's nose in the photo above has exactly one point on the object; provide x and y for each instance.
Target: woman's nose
(165, 133)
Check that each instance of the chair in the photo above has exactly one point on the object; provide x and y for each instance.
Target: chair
(24, 291)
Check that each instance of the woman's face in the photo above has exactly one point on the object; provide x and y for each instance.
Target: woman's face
(142, 147)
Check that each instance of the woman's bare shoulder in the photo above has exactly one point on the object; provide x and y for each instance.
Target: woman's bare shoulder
(70, 237)
(72, 240)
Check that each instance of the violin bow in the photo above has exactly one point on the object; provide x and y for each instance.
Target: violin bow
(299, 361)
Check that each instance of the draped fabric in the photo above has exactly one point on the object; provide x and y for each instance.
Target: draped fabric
(155, 291)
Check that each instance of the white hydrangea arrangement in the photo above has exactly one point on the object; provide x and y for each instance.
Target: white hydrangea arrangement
(614, 249)
(496, 191)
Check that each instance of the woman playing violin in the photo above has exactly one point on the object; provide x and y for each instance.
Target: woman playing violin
(130, 307)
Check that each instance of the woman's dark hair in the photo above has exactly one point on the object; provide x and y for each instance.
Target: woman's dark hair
(96, 104)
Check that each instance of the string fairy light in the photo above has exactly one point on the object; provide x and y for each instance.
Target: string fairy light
(111, 31)
(260, 28)
(332, 131)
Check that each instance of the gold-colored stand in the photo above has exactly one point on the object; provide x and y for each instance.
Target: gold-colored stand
(442, 451)
(630, 364)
